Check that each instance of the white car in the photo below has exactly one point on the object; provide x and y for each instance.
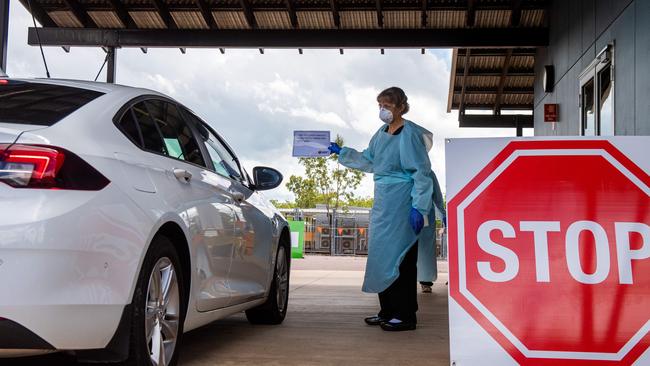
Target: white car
(125, 220)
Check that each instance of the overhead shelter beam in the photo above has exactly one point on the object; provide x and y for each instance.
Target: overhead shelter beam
(39, 13)
(475, 90)
(121, 13)
(164, 13)
(303, 38)
(380, 15)
(502, 121)
(461, 107)
(335, 13)
(291, 9)
(498, 51)
(206, 14)
(471, 13)
(494, 72)
(79, 12)
(248, 13)
(515, 15)
(502, 82)
(424, 17)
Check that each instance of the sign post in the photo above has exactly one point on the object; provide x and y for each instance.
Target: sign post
(549, 251)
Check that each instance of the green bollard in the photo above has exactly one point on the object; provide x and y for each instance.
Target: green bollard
(297, 231)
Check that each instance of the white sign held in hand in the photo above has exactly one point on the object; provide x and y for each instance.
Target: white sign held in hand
(311, 144)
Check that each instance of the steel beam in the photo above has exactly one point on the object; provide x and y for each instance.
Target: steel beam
(502, 82)
(496, 121)
(111, 58)
(41, 15)
(248, 13)
(206, 13)
(335, 13)
(4, 33)
(79, 12)
(121, 13)
(302, 38)
(165, 15)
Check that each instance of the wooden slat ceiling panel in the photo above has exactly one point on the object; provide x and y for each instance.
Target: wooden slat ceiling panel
(106, 19)
(189, 20)
(359, 19)
(484, 75)
(315, 19)
(230, 19)
(65, 19)
(272, 20)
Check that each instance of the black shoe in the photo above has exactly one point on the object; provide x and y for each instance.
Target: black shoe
(397, 327)
(374, 320)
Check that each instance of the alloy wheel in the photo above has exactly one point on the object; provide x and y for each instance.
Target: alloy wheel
(162, 312)
(281, 279)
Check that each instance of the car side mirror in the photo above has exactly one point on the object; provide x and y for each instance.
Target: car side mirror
(266, 178)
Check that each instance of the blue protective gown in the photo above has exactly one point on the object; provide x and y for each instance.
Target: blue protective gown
(402, 174)
(427, 264)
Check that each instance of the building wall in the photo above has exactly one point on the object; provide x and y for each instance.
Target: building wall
(578, 30)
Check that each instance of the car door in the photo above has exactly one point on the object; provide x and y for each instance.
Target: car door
(252, 259)
(182, 182)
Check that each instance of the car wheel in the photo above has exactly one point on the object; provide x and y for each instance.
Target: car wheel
(274, 309)
(158, 308)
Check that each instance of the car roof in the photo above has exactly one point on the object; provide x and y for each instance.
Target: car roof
(101, 87)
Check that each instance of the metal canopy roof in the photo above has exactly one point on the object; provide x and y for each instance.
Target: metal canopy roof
(290, 23)
(492, 79)
(494, 41)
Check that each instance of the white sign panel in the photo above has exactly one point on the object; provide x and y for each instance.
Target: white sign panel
(549, 251)
(311, 144)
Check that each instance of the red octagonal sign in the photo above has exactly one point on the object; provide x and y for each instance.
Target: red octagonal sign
(550, 253)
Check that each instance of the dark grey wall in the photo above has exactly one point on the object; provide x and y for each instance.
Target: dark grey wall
(579, 29)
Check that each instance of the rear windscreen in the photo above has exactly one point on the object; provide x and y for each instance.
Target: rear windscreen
(40, 104)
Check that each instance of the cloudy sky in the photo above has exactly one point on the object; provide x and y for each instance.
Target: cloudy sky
(256, 101)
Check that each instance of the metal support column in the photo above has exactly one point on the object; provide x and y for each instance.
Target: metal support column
(110, 71)
(520, 128)
(4, 33)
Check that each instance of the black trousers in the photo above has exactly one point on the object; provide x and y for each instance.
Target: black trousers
(400, 299)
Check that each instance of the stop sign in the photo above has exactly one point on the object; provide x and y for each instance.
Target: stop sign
(549, 252)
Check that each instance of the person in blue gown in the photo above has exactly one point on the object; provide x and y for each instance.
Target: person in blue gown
(427, 264)
(397, 155)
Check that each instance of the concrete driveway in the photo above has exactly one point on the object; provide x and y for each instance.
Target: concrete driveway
(324, 326)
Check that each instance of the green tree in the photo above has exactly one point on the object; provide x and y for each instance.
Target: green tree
(365, 202)
(325, 181)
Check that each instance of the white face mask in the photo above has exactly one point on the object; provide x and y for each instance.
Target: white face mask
(386, 116)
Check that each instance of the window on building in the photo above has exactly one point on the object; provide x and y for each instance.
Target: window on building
(597, 96)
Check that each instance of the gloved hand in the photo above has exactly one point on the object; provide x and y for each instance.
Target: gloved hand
(416, 220)
(334, 148)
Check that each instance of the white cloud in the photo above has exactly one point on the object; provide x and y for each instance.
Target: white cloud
(327, 118)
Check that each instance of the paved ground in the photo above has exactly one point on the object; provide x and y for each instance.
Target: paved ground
(324, 326)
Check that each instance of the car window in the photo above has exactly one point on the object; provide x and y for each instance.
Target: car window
(178, 139)
(152, 140)
(40, 104)
(223, 161)
(129, 126)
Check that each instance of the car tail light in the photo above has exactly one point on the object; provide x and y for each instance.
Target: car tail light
(47, 167)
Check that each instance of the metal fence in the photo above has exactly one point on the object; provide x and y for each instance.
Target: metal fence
(346, 233)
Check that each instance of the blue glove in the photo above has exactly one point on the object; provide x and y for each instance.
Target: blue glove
(416, 220)
(334, 148)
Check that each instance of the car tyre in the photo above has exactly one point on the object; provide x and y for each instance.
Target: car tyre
(274, 310)
(158, 308)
